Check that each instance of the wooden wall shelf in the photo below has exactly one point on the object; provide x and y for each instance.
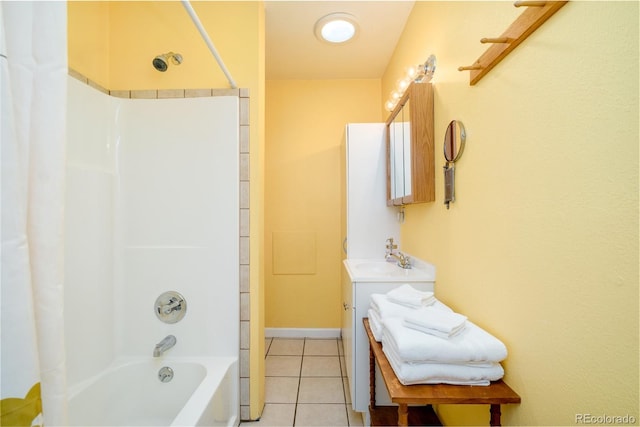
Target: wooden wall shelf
(531, 19)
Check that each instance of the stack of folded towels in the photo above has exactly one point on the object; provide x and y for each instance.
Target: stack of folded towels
(428, 343)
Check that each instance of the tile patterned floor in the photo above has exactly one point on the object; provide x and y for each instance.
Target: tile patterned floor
(306, 384)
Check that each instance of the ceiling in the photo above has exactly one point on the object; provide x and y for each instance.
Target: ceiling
(294, 52)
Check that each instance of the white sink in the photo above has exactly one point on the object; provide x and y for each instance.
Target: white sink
(377, 267)
(379, 270)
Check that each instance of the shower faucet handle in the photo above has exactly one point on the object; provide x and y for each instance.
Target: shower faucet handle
(170, 307)
(174, 304)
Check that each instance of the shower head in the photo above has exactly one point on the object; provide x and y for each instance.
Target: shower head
(161, 62)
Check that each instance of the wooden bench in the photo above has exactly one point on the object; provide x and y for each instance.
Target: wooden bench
(495, 394)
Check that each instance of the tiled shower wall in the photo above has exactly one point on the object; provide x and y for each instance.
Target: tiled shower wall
(243, 94)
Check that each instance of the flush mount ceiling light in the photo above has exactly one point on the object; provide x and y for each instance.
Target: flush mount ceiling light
(336, 28)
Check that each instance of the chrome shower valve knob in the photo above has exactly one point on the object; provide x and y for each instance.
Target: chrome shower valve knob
(170, 307)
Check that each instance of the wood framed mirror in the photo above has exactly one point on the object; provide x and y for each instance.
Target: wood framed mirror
(410, 148)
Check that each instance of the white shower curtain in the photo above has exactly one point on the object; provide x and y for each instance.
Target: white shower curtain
(33, 106)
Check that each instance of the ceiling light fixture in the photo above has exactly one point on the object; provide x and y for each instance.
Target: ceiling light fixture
(336, 28)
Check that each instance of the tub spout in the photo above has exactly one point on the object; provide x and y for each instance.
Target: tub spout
(164, 345)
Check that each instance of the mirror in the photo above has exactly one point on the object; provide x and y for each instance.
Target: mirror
(454, 141)
(396, 151)
(400, 152)
(406, 148)
(410, 148)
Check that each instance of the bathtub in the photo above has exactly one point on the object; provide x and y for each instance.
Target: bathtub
(203, 392)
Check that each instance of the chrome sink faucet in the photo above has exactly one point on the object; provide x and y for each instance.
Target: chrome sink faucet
(404, 261)
(164, 345)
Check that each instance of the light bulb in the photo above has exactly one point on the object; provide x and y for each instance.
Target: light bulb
(412, 72)
(402, 84)
(390, 105)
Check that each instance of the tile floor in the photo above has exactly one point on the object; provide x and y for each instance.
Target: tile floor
(306, 384)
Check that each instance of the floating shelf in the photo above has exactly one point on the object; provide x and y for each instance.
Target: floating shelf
(531, 19)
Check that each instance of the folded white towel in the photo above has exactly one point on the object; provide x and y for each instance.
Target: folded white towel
(472, 344)
(442, 373)
(410, 296)
(390, 345)
(387, 308)
(375, 324)
(383, 308)
(435, 322)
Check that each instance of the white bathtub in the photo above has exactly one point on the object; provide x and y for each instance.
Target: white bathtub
(203, 392)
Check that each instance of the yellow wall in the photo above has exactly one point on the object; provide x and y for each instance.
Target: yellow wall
(305, 126)
(541, 245)
(113, 43)
(88, 39)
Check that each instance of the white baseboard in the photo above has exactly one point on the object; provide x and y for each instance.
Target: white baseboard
(302, 332)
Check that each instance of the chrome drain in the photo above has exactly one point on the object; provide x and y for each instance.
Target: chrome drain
(165, 374)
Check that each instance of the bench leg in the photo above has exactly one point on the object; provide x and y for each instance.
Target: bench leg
(403, 414)
(495, 415)
(372, 378)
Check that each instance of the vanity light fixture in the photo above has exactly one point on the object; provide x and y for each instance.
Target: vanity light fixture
(421, 73)
(336, 28)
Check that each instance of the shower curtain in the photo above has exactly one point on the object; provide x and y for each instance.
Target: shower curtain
(33, 62)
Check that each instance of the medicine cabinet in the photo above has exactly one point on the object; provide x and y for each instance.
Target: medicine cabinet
(410, 148)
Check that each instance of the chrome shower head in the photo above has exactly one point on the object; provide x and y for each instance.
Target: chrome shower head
(161, 62)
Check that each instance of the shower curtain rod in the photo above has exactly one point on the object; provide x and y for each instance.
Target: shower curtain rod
(205, 36)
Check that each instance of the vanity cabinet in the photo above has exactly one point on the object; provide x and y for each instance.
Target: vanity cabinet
(356, 296)
(410, 148)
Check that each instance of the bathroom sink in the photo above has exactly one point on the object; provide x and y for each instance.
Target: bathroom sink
(377, 267)
(380, 270)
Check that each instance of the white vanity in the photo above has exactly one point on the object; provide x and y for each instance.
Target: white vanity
(360, 279)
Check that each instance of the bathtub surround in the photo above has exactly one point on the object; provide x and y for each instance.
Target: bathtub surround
(117, 164)
(101, 48)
